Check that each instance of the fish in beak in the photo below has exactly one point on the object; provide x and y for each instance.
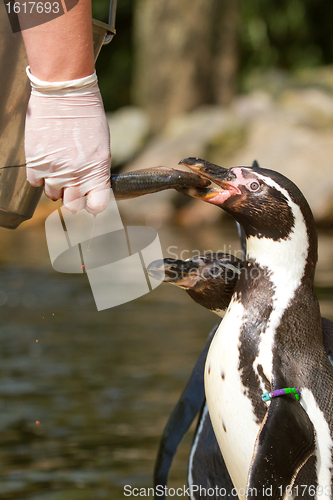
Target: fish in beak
(222, 178)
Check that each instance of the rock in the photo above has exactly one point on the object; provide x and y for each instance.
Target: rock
(275, 81)
(312, 106)
(251, 106)
(129, 129)
(185, 135)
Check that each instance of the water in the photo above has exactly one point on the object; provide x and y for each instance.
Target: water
(100, 384)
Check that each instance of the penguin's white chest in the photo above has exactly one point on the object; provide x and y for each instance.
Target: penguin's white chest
(230, 409)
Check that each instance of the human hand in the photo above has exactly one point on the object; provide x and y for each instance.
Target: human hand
(67, 142)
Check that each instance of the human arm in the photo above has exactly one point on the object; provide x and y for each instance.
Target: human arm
(67, 139)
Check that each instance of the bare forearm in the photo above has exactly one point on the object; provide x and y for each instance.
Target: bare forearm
(61, 49)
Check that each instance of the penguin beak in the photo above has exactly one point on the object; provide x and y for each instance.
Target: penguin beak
(156, 270)
(178, 272)
(220, 176)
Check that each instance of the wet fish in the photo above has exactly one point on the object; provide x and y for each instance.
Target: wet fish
(151, 180)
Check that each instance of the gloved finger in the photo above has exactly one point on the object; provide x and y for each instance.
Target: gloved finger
(52, 193)
(73, 200)
(98, 199)
(31, 176)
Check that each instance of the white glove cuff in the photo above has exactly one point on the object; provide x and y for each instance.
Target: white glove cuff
(79, 87)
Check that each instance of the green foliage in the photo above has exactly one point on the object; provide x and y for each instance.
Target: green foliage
(114, 63)
(283, 34)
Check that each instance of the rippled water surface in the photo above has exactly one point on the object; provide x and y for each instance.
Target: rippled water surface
(100, 384)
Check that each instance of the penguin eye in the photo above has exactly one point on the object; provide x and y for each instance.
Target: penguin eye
(215, 271)
(254, 186)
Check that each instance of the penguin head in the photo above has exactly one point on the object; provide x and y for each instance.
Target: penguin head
(261, 200)
(182, 273)
(209, 279)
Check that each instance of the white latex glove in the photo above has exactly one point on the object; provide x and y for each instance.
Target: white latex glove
(67, 142)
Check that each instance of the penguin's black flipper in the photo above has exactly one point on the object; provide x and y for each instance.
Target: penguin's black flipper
(184, 413)
(207, 469)
(284, 443)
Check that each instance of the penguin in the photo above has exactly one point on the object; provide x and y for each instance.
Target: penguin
(268, 345)
(207, 470)
(204, 278)
(208, 279)
(270, 340)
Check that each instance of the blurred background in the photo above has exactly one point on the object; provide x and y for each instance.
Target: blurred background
(227, 80)
(85, 395)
